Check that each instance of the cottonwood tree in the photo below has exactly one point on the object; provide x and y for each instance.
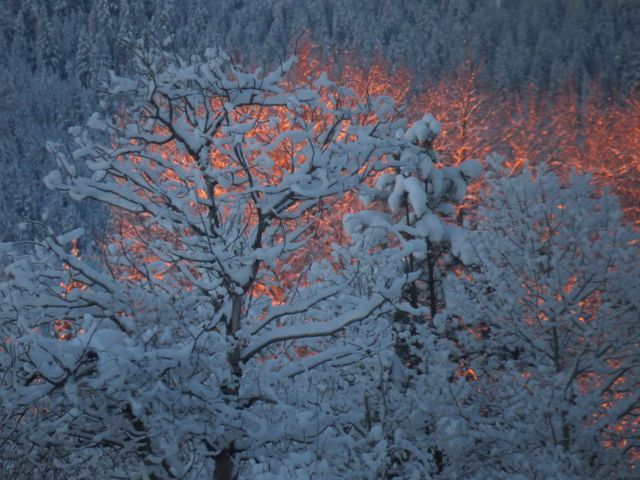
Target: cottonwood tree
(175, 340)
(547, 321)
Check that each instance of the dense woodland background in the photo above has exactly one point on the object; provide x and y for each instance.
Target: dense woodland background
(55, 55)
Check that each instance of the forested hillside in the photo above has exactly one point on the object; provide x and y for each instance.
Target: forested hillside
(55, 56)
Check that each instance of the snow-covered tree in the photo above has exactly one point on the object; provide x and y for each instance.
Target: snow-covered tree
(418, 197)
(49, 48)
(547, 326)
(402, 246)
(174, 341)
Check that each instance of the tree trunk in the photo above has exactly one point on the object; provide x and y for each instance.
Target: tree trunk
(225, 460)
(431, 282)
(224, 464)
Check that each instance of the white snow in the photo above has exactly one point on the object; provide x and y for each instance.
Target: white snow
(417, 195)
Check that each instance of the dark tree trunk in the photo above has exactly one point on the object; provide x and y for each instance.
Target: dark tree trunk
(224, 464)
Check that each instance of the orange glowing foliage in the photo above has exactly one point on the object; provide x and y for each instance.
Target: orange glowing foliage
(466, 372)
(561, 128)
(132, 231)
(527, 125)
(542, 127)
(586, 133)
(469, 110)
(63, 328)
(267, 125)
(616, 434)
(373, 79)
(612, 148)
